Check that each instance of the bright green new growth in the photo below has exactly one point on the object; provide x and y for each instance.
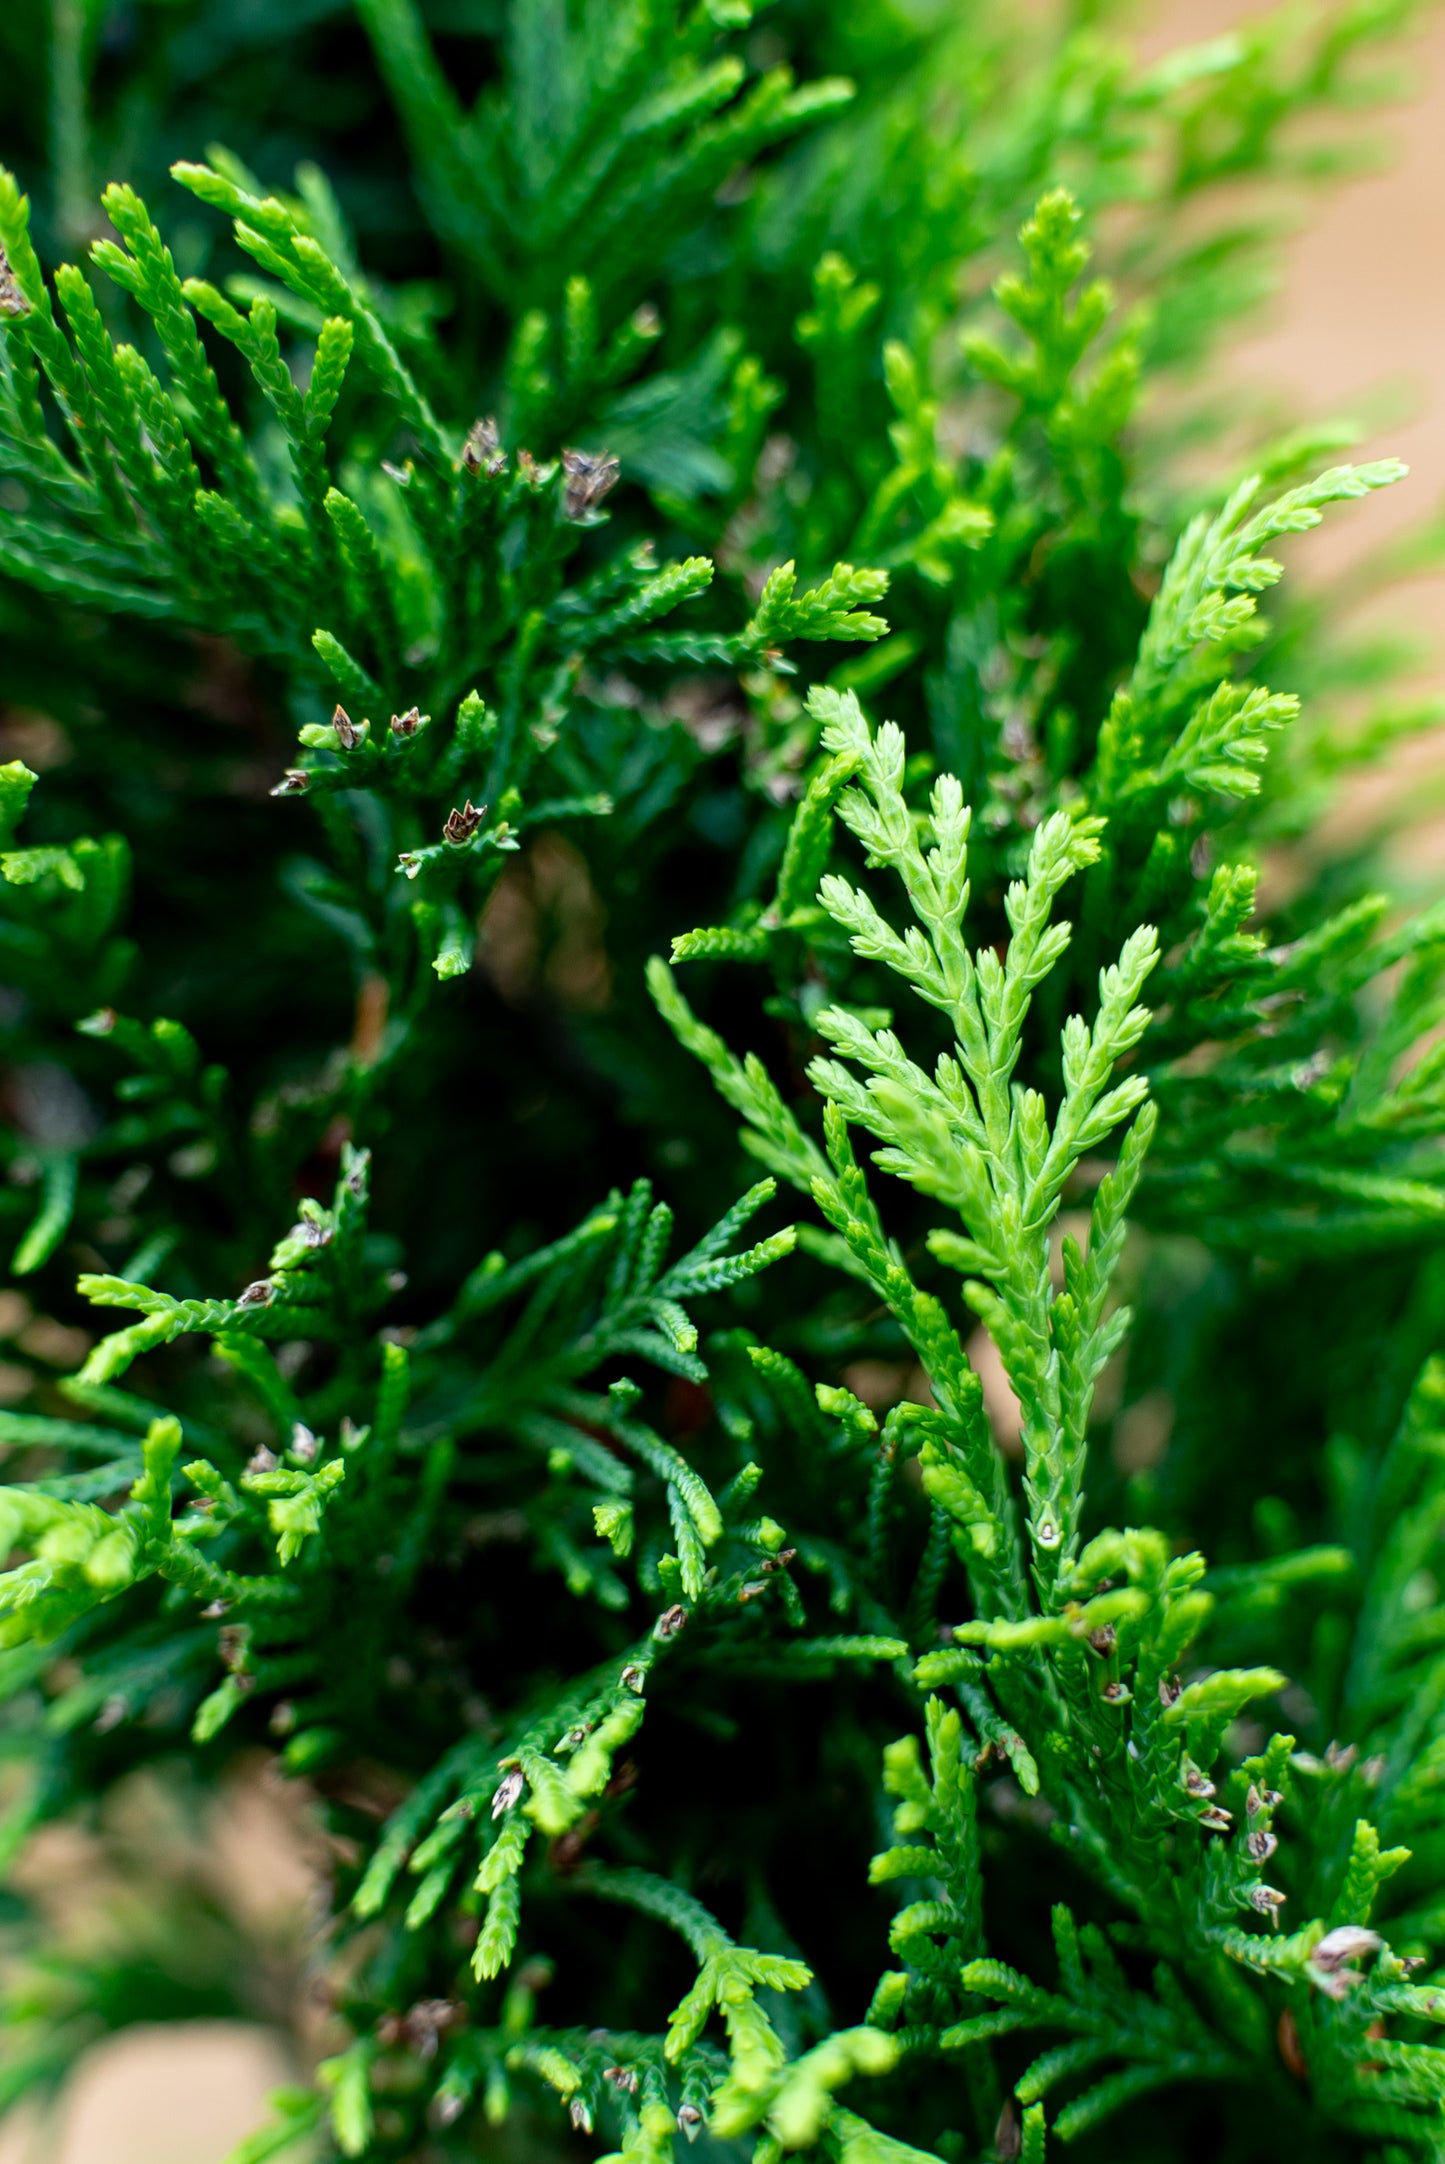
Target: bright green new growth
(1053, 1515)
(1075, 1682)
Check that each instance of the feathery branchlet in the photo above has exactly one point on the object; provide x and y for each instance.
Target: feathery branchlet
(1029, 1439)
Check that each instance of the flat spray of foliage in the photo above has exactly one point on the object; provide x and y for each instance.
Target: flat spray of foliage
(655, 618)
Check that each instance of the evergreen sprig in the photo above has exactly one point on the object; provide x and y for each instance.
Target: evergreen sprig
(1051, 1516)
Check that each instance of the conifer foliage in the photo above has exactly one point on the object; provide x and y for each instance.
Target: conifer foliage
(645, 636)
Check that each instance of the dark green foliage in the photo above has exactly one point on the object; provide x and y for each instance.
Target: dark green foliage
(545, 511)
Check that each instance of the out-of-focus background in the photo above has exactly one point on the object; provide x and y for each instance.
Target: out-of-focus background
(1356, 328)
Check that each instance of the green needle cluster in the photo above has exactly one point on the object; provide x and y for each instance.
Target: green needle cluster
(724, 1214)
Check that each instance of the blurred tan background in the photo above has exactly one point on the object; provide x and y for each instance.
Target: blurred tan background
(1356, 330)
(158, 2096)
(1358, 327)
